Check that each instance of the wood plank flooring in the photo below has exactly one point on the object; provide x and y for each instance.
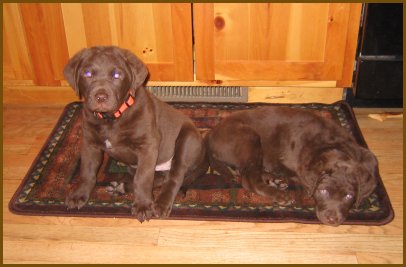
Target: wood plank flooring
(37, 239)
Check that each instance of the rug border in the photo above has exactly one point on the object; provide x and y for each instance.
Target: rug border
(343, 104)
(350, 112)
(12, 208)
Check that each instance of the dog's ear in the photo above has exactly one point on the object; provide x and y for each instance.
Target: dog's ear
(71, 70)
(367, 177)
(138, 70)
(312, 184)
(317, 169)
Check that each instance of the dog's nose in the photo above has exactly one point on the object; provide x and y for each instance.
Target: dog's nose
(101, 97)
(331, 217)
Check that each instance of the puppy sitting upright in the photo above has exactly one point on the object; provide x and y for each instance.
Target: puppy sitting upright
(124, 120)
(317, 153)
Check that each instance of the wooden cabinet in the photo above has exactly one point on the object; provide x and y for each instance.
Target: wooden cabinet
(275, 42)
(38, 39)
(234, 43)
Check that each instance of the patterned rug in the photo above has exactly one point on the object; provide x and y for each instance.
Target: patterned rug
(55, 172)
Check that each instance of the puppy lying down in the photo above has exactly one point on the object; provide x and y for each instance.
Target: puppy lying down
(319, 154)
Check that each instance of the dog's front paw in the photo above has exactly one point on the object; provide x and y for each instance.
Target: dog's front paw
(116, 188)
(286, 203)
(285, 200)
(78, 198)
(162, 209)
(281, 184)
(143, 212)
(278, 183)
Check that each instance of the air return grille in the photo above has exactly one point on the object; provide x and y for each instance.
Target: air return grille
(200, 93)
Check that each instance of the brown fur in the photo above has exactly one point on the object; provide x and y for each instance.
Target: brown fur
(148, 133)
(313, 151)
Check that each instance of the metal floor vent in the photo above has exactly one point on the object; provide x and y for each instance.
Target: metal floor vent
(200, 93)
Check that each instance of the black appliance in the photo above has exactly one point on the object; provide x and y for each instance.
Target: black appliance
(378, 79)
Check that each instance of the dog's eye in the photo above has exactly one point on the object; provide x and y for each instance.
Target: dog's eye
(116, 75)
(348, 197)
(88, 74)
(324, 192)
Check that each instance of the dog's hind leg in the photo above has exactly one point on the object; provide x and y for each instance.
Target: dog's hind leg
(193, 174)
(221, 168)
(252, 181)
(189, 153)
(250, 162)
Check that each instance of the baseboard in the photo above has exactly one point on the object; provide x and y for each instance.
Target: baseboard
(61, 95)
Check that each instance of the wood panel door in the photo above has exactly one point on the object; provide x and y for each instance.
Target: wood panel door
(275, 42)
(38, 39)
(160, 34)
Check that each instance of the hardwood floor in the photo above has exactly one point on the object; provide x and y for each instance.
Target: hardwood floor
(37, 239)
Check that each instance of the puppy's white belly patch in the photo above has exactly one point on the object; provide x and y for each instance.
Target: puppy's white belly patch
(166, 166)
(108, 144)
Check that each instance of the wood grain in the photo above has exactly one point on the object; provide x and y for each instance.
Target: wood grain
(16, 60)
(50, 239)
(289, 32)
(307, 32)
(39, 38)
(295, 94)
(265, 43)
(96, 19)
(280, 93)
(74, 27)
(42, 96)
(351, 46)
(46, 41)
(183, 51)
(269, 31)
(337, 29)
(275, 70)
(136, 31)
(272, 41)
(204, 38)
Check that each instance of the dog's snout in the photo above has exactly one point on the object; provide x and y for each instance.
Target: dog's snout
(101, 96)
(331, 217)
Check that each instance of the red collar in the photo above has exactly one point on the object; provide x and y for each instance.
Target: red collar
(104, 115)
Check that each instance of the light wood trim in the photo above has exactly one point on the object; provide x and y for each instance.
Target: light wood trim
(351, 46)
(161, 71)
(113, 24)
(51, 95)
(16, 58)
(335, 40)
(46, 41)
(271, 70)
(295, 94)
(56, 39)
(258, 83)
(325, 84)
(74, 27)
(182, 51)
(38, 95)
(96, 18)
(168, 39)
(330, 68)
(41, 59)
(204, 43)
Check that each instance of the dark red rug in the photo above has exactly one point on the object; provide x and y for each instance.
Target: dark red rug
(55, 172)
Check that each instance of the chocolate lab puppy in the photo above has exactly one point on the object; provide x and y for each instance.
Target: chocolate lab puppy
(128, 123)
(319, 154)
